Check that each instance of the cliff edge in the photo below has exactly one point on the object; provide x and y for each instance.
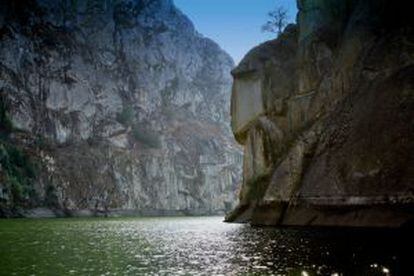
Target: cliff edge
(113, 107)
(325, 115)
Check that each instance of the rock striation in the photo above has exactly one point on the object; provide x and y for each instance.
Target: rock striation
(325, 115)
(118, 105)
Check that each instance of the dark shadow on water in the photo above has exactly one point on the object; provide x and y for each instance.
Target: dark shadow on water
(329, 251)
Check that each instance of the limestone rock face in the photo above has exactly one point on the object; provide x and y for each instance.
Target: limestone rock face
(121, 103)
(325, 115)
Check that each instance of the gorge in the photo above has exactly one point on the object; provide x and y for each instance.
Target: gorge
(129, 137)
(122, 107)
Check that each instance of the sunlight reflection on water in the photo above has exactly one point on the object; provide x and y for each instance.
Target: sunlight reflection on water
(188, 246)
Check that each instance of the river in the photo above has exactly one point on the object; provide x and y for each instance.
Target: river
(190, 246)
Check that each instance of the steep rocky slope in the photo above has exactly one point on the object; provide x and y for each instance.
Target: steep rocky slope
(113, 105)
(325, 114)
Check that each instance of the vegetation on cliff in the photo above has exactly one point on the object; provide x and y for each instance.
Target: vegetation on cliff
(17, 171)
(114, 99)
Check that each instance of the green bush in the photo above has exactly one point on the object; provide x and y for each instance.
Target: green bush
(126, 117)
(5, 122)
(146, 137)
(51, 199)
(17, 169)
(16, 157)
(19, 172)
(40, 142)
(16, 188)
(16, 162)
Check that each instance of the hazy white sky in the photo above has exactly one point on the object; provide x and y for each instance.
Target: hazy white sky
(234, 24)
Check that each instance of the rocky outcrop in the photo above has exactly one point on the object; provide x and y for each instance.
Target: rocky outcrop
(325, 115)
(119, 105)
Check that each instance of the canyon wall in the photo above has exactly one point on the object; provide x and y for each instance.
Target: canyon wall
(325, 115)
(111, 106)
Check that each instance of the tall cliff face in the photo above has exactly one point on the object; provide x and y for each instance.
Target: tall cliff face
(117, 105)
(325, 115)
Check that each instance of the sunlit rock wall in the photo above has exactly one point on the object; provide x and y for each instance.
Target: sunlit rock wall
(328, 137)
(122, 105)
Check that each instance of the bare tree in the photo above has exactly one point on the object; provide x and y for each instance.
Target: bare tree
(277, 21)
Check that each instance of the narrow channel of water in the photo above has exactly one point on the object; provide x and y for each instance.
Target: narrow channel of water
(191, 246)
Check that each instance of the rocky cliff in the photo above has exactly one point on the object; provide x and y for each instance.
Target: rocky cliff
(113, 105)
(325, 115)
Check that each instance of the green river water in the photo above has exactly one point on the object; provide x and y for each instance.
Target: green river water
(191, 246)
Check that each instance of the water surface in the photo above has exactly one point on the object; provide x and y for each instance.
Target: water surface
(190, 246)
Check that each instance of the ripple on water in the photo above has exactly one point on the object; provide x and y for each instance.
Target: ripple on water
(189, 246)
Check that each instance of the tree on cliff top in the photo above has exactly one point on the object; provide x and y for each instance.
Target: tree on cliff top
(277, 21)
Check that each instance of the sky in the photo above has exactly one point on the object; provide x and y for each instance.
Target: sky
(234, 24)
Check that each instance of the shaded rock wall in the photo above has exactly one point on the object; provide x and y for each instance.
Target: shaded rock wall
(121, 104)
(324, 113)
